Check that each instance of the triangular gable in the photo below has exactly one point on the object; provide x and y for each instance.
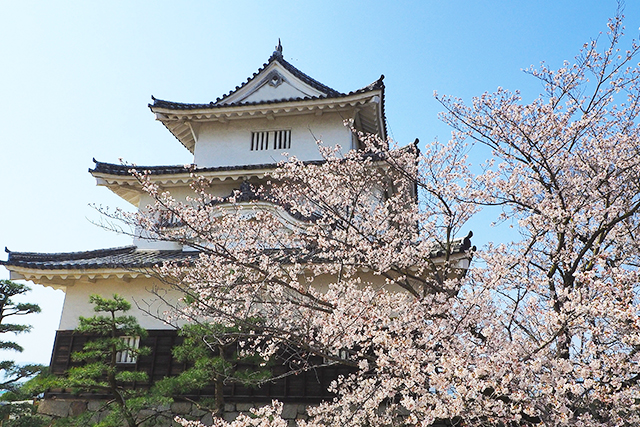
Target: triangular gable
(274, 83)
(277, 80)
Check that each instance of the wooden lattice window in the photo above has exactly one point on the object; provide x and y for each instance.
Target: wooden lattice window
(271, 139)
(127, 357)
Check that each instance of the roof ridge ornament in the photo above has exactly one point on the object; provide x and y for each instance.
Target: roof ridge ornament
(278, 52)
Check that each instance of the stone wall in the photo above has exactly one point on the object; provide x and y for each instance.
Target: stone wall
(60, 408)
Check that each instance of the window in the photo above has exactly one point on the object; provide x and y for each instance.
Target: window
(167, 219)
(127, 357)
(262, 140)
(281, 139)
(342, 354)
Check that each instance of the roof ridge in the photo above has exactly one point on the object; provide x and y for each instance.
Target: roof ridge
(331, 93)
(276, 56)
(116, 169)
(378, 84)
(18, 256)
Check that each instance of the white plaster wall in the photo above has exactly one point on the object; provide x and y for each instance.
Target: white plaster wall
(268, 92)
(180, 193)
(260, 90)
(144, 240)
(137, 291)
(368, 279)
(229, 144)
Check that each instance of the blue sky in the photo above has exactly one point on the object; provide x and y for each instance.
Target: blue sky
(76, 78)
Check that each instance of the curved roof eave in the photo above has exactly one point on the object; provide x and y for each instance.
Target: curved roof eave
(178, 119)
(275, 57)
(119, 179)
(65, 268)
(128, 262)
(160, 105)
(221, 110)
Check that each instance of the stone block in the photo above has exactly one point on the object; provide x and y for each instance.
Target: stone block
(164, 422)
(181, 408)
(230, 416)
(95, 405)
(197, 412)
(242, 407)
(289, 411)
(207, 419)
(56, 408)
(77, 407)
(163, 408)
(96, 417)
(144, 413)
(229, 407)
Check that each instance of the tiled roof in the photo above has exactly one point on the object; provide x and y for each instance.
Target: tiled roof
(458, 246)
(125, 170)
(177, 116)
(127, 257)
(159, 103)
(115, 169)
(130, 257)
(277, 56)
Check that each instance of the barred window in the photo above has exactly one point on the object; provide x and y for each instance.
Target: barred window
(167, 219)
(271, 139)
(127, 356)
(342, 354)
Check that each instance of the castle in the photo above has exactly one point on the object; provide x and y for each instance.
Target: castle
(235, 140)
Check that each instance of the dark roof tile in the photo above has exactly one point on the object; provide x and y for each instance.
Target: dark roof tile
(329, 92)
(115, 169)
(127, 257)
(131, 258)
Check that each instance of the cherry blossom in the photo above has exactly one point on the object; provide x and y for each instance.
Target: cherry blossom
(360, 260)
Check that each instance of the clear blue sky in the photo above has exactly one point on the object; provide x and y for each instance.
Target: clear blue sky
(76, 78)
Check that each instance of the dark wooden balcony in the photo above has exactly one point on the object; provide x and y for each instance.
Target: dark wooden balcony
(305, 387)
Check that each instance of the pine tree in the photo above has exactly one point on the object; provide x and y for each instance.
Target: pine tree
(114, 336)
(11, 372)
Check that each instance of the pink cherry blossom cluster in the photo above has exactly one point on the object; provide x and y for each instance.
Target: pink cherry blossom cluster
(541, 331)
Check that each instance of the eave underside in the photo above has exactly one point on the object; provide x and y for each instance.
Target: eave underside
(119, 179)
(129, 262)
(60, 270)
(365, 108)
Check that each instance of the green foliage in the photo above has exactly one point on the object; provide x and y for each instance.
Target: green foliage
(31, 388)
(8, 308)
(21, 414)
(101, 373)
(110, 325)
(211, 352)
(17, 408)
(10, 373)
(140, 410)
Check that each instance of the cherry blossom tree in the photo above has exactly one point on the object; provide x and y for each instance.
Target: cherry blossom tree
(338, 262)
(567, 171)
(357, 260)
